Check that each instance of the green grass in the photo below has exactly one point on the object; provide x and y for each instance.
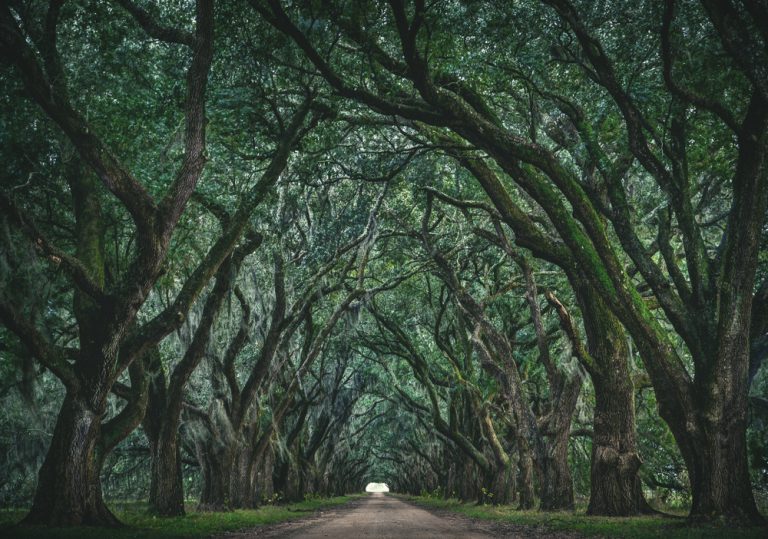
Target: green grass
(630, 528)
(141, 525)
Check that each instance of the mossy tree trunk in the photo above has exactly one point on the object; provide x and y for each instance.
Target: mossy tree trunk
(615, 488)
(615, 484)
(242, 491)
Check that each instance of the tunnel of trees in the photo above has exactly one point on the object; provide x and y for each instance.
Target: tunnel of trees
(509, 252)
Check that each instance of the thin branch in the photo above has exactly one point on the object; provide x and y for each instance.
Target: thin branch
(46, 352)
(73, 267)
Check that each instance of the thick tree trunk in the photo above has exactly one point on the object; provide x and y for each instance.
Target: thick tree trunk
(69, 489)
(557, 484)
(281, 476)
(711, 431)
(241, 488)
(720, 481)
(166, 493)
(215, 491)
(716, 450)
(228, 468)
(525, 481)
(717, 460)
(709, 426)
(615, 488)
(554, 472)
(262, 473)
(463, 484)
(502, 485)
(166, 490)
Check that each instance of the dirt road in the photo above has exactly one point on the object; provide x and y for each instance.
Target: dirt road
(384, 517)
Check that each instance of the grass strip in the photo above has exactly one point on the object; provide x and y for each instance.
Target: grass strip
(625, 527)
(141, 525)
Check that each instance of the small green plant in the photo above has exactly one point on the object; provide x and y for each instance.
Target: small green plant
(487, 496)
(275, 498)
(437, 493)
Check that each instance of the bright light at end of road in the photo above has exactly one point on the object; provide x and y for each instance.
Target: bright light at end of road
(377, 487)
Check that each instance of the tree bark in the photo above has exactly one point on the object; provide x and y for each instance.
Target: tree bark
(213, 497)
(554, 429)
(501, 484)
(241, 489)
(166, 493)
(715, 448)
(557, 483)
(525, 480)
(615, 488)
(166, 490)
(69, 488)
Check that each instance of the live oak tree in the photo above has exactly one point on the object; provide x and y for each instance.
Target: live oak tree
(542, 441)
(542, 433)
(68, 488)
(109, 342)
(657, 125)
(615, 484)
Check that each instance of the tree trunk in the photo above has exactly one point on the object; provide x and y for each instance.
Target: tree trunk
(615, 462)
(710, 429)
(615, 488)
(557, 484)
(556, 481)
(720, 480)
(280, 476)
(716, 454)
(214, 495)
(69, 490)
(717, 461)
(502, 485)
(525, 481)
(69, 487)
(262, 473)
(166, 493)
(241, 488)
(166, 490)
